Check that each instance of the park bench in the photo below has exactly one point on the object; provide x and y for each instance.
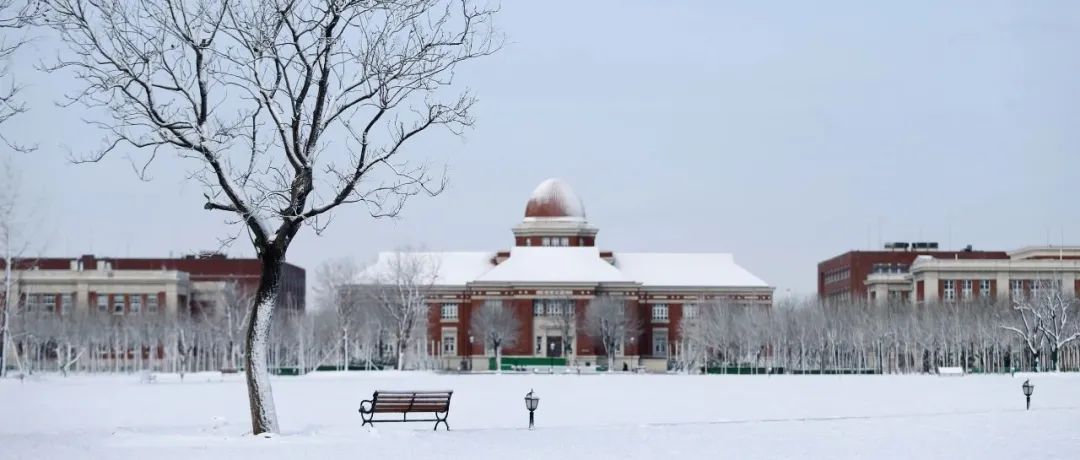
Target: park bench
(406, 402)
(950, 371)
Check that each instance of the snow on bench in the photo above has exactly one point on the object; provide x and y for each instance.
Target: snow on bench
(950, 371)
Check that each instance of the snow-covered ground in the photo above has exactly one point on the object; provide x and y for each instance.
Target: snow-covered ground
(589, 416)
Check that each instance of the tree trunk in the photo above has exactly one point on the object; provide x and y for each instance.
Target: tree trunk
(345, 349)
(4, 313)
(260, 397)
(401, 344)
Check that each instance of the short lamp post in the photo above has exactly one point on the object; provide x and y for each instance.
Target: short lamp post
(1028, 389)
(531, 401)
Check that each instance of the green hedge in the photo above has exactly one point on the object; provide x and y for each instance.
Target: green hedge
(508, 362)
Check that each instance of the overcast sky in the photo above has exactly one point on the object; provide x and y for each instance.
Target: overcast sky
(782, 132)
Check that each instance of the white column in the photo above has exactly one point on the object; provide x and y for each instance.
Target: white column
(81, 303)
(170, 299)
(1003, 285)
(1068, 283)
(930, 288)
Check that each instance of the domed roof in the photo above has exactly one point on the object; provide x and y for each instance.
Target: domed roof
(554, 198)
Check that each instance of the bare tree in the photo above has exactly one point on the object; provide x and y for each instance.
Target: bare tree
(400, 289)
(234, 307)
(337, 297)
(290, 108)
(608, 320)
(497, 326)
(1056, 311)
(16, 230)
(565, 320)
(1029, 326)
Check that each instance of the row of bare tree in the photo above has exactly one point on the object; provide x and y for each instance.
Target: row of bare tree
(893, 338)
(364, 327)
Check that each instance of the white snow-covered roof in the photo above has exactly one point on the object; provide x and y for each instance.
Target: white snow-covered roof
(554, 265)
(545, 264)
(450, 268)
(554, 198)
(690, 269)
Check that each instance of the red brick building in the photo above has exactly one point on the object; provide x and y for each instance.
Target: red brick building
(554, 268)
(920, 273)
(843, 277)
(126, 286)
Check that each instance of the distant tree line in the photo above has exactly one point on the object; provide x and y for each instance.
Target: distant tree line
(1038, 332)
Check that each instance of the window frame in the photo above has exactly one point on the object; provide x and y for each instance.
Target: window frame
(33, 302)
(660, 348)
(449, 311)
(948, 291)
(658, 308)
(1016, 288)
(967, 289)
(48, 303)
(449, 347)
(67, 301)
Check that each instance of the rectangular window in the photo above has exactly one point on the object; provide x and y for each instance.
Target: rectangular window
(659, 342)
(1036, 285)
(449, 342)
(690, 311)
(1016, 288)
(546, 241)
(660, 312)
(984, 288)
(966, 289)
(102, 303)
(950, 290)
(449, 311)
(65, 304)
(48, 302)
(118, 304)
(564, 241)
(136, 303)
(33, 302)
(152, 303)
(554, 308)
(539, 345)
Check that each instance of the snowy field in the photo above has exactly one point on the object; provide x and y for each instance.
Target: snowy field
(590, 416)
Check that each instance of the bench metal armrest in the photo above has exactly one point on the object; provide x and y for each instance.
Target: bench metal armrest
(364, 410)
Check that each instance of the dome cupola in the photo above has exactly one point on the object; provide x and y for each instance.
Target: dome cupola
(554, 216)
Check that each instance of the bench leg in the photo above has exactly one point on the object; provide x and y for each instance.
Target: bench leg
(442, 421)
(367, 420)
